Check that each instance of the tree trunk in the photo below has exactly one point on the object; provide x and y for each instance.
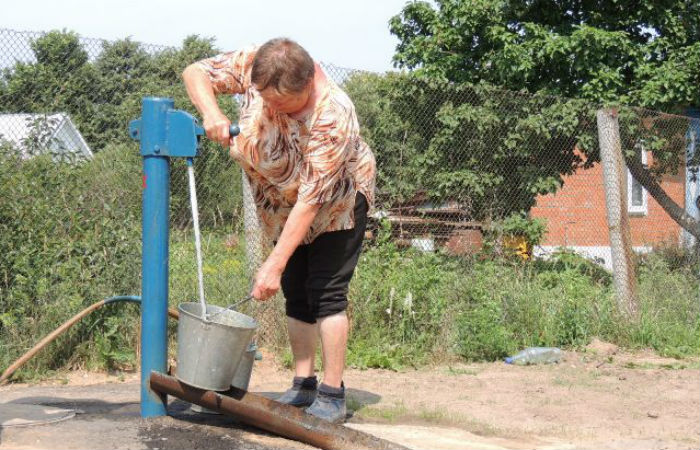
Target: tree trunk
(648, 182)
(615, 179)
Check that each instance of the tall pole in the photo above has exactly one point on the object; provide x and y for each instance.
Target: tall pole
(614, 177)
(251, 227)
(154, 287)
(164, 133)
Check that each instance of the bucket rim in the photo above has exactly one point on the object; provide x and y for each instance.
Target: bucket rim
(201, 386)
(220, 325)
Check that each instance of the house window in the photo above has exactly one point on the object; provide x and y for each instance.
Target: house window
(636, 194)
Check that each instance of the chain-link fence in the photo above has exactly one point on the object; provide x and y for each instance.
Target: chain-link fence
(465, 172)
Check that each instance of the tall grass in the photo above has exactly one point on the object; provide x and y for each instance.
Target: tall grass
(411, 307)
(70, 236)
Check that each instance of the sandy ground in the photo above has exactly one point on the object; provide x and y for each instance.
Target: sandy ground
(597, 399)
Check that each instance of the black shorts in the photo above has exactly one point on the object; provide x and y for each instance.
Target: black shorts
(316, 278)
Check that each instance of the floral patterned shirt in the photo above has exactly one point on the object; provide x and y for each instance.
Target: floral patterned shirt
(320, 159)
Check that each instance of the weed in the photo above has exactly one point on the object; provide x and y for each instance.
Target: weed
(461, 371)
(650, 365)
(388, 413)
(70, 236)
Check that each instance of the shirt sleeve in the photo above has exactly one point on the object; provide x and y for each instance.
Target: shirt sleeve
(324, 162)
(229, 72)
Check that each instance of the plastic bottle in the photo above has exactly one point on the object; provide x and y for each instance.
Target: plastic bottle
(536, 355)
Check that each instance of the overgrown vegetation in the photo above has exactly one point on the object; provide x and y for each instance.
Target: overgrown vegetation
(410, 307)
(70, 233)
(71, 236)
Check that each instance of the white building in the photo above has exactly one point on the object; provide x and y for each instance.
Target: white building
(32, 134)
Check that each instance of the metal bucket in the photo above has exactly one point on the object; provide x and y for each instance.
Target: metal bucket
(241, 379)
(208, 353)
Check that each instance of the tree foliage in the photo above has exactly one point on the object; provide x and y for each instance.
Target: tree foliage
(491, 150)
(644, 53)
(103, 95)
(621, 52)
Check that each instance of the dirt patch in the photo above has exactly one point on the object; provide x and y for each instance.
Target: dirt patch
(591, 400)
(602, 348)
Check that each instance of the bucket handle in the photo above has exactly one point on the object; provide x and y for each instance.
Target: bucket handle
(231, 306)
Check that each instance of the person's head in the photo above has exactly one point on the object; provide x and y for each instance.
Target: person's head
(283, 73)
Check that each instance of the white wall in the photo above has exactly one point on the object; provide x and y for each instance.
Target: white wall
(601, 255)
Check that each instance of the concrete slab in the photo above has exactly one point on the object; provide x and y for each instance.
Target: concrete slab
(21, 415)
(108, 418)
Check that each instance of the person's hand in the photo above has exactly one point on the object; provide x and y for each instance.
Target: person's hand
(267, 281)
(217, 127)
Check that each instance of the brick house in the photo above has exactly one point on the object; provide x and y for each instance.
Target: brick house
(576, 214)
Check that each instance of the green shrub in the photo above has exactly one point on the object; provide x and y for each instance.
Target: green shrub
(485, 309)
(519, 224)
(219, 191)
(399, 299)
(69, 237)
(670, 311)
(226, 277)
(509, 305)
(482, 332)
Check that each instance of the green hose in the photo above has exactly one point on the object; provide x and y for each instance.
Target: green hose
(123, 298)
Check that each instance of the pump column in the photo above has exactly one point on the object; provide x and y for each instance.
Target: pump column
(152, 131)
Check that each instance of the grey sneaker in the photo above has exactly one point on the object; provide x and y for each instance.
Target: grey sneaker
(302, 392)
(329, 404)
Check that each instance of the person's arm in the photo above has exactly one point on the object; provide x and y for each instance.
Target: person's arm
(268, 278)
(226, 73)
(201, 93)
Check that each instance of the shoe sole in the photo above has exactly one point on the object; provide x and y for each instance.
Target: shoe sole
(337, 421)
(296, 405)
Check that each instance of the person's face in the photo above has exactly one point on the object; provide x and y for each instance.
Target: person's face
(285, 102)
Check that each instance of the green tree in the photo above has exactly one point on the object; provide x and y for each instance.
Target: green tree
(643, 53)
(61, 80)
(124, 69)
(630, 52)
(103, 95)
(490, 150)
(128, 71)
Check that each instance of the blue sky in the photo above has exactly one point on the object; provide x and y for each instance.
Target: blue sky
(348, 33)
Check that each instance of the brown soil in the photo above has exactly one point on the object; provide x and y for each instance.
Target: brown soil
(591, 400)
(595, 399)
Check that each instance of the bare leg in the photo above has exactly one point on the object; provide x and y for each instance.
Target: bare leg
(303, 338)
(334, 339)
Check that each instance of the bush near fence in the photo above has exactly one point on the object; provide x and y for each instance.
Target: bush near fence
(408, 307)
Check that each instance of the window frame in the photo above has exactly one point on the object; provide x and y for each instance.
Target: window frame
(643, 209)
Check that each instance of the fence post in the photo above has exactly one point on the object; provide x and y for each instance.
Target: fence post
(615, 179)
(251, 228)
